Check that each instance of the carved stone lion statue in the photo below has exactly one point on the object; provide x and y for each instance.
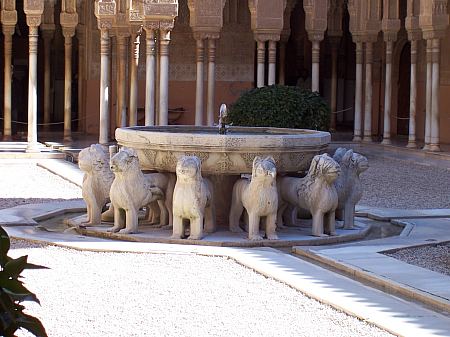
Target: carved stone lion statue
(315, 192)
(348, 184)
(192, 200)
(97, 180)
(130, 191)
(259, 197)
(160, 212)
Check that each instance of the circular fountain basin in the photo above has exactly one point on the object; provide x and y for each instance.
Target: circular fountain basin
(160, 147)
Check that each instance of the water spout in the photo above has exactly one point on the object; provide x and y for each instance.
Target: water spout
(222, 119)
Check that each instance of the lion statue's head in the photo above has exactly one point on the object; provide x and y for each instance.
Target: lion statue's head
(124, 161)
(189, 168)
(323, 166)
(339, 153)
(351, 160)
(94, 158)
(264, 168)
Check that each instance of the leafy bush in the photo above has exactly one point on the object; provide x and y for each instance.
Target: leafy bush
(282, 107)
(13, 292)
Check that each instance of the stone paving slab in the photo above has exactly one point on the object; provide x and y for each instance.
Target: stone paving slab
(383, 214)
(393, 314)
(64, 169)
(365, 261)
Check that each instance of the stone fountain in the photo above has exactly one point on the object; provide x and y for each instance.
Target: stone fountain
(226, 156)
(204, 170)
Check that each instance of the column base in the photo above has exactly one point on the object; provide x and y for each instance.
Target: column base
(386, 141)
(67, 139)
(32, 148)
(426, 147)
(7, 138)
(367, 139)
(412, 144)
(435, 148)
(357, 138)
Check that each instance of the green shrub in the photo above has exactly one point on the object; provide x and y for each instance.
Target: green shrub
(282, 107)
(13, 292)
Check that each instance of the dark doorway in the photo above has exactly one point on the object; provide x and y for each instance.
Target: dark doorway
(404, 80)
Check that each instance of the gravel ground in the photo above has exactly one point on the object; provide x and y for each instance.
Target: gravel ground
(398, 184)
(112, 294)
(26, 183)
(435, 258)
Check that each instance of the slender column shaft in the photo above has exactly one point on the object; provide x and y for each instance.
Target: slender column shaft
(387, 94)
(211, 81)
(134, 79)
(334, 56)
(199, 84)
(358, 92)
(47, 41)
(272, 62)
(81, 78)
(428, 95)
(434, 139)
(7, 83)
(260, 58)
(368, 92)
(150, 78)
(412, 97)
(104, 86)
(67, 88)
(282, 69)
(315, 65)
(122, 45)
(164, 78)
(32, 90)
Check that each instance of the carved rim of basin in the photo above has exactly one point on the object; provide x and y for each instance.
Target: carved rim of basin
(160, 147)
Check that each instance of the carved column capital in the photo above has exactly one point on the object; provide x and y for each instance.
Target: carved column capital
(105, 11)
(8, 30)
(33, 20)
(263, 36)
(315, 35)
(68, 20)
(9, 17)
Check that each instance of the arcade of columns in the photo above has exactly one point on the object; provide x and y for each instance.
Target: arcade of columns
(426, 19)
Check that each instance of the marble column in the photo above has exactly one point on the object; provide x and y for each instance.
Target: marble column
(104, 86)
(315, 65)
(428, 95)
(388, 94)
(434, 137)
(32, 86)
(8, 32)
(150, 78)
(211, 81)
(272, 62)
(358, 92)
(164, 77)
(135, 38)
(81, 37)
(47, 36)
(334, 60)
(199, 92)
(282, 69)
(368, 93)
(122, 49)
(260, 58)
(412, 97)
(68, 34)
